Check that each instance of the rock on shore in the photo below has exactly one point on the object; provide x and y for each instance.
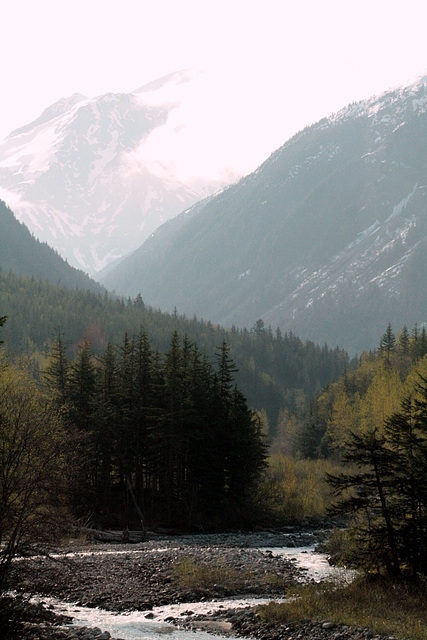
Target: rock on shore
(246, 623)
(142, 576)
(141, 579)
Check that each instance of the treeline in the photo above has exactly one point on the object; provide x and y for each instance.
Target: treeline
(373, 423)
(168, 439)
(364, 396)
(384, 487)
(275, 370)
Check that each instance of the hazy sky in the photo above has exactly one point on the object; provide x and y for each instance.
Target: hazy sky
(278, 64)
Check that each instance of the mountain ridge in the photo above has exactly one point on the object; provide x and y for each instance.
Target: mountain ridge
(22, 254)
(332, 221)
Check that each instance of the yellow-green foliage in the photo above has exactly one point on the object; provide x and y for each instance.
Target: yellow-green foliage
(366, 398)
(382, 398)
(31, 477)
(413, 376)
(385, 607)
(296, 489)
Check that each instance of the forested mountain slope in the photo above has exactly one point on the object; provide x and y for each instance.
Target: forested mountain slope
(327, 238)
(23, 254)
(274, 370)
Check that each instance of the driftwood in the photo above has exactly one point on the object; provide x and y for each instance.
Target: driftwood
(114, 536)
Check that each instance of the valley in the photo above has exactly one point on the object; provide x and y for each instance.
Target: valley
(246, 363)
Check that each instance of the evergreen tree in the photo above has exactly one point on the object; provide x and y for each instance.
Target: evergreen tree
(403, 341)
(80, 397)
(415, 350)
(247, 451)
(406, 434)
(144, 397)
(57, 371)
(139, 303)
(169, 431)
(258, 329)
(2, 321)
(387, 343)
(226, 370)
(81, 388)
(370, 496)
(423, 343)
(105, 425)
(127, 402)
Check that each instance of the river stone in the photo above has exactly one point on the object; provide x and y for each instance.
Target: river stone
(328, 625)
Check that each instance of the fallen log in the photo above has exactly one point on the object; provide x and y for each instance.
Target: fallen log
(114, 536)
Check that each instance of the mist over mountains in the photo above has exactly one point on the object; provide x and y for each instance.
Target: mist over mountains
(91, 177)
(326, 238)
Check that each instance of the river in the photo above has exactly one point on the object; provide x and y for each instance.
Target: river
(154, 623)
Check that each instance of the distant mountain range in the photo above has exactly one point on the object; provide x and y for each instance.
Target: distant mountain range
(327, 238)
(24, 255)
(92, 177)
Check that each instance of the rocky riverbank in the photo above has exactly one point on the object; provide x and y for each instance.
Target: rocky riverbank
(159, 572)
(246, 623)
(148, 575)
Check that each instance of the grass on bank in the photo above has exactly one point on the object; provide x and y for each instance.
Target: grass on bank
(199, 576)
(193, 575)
(383, 606)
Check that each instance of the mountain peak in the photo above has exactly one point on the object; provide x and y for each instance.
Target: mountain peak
(174, 78)
(81, 178)
(53, 111)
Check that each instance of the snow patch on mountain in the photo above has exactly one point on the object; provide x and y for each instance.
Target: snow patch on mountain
(108, 167)
(401, 206)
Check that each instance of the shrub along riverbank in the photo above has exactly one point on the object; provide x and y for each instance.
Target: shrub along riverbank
(386, 607)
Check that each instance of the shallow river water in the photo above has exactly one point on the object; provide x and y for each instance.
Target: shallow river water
(135, 625)
(315, 565)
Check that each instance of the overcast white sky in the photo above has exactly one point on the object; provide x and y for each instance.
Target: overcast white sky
(278, 64)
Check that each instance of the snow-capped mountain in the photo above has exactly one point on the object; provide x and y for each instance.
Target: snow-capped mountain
(95, 177)
(327, 238)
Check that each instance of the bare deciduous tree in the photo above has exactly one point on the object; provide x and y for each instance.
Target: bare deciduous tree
(31, 481)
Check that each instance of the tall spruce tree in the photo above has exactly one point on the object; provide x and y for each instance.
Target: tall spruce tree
(144, 396)
(57, 371)
(404, 341)
(81, 388)
(128, 406)
(79, 415)
(387, 343)
(2, 321)
(368, 492)
(406, 434)
(105, 427)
